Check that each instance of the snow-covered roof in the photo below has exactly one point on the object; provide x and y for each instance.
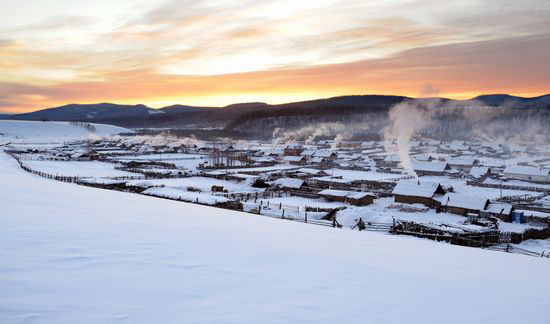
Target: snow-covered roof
(323, 153)
(317, 159)
(310, 171)
(293, 158)
(499, 208)
(346, 194)
(417, 189)
(463, 201)
(422, 157)
(462, 161)
(307, 152)
(526, 170)
(289, 183)
(430, 166)
(479, 171)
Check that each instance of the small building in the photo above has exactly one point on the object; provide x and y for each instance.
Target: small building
(527, 173)
(462, 204)
(415, 192)
(430, 168)
(351, 197)
(295, 160)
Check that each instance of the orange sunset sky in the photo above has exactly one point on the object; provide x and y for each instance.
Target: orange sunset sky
(214, 53)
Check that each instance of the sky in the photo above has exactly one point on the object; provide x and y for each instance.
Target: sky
(219, 52)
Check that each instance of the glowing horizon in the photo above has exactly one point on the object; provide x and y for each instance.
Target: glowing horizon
(221, 52)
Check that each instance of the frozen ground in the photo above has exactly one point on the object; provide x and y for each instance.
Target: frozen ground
(73, 254)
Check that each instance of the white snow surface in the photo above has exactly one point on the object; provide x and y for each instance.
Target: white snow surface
(74, 254)
(38, 130)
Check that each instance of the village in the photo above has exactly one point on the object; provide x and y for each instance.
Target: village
(478, 194)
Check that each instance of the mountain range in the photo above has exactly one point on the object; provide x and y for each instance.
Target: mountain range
(258, 116)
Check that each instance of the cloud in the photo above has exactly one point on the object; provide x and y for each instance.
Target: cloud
(517, 65)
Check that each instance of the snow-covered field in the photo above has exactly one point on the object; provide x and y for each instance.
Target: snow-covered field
(38, 130)
(73, 254)
(78, 168)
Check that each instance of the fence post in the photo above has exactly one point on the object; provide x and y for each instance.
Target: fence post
(306, 218)
(283, 215)
(259, 209)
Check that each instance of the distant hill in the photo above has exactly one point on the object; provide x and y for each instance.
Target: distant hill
(176, 109)
(89, 112)
(260, 119)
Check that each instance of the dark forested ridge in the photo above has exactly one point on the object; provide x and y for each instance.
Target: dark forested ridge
(485, 115)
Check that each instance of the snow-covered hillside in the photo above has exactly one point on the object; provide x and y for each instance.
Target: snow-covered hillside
(73, 254)
(38, 130)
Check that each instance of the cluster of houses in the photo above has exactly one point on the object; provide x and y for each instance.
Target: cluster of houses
(308, 170)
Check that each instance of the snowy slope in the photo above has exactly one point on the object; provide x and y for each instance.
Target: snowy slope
(73, 254)
(38, 130)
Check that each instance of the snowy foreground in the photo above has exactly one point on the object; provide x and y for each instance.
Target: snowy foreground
(75, 254)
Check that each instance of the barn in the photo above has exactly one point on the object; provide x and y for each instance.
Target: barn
(415, 192)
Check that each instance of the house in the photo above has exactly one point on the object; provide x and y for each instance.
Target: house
(351, 197)
(321, 162)
(293, 149)
(527, 173)
(500, 210)
(430, 168)
(295, 160)
(308, 153)
(462, 204)
(290, 184)
(415, 192)
(463, 164)
(329, 155)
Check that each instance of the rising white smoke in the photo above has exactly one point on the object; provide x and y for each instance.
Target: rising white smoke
(406, 119)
